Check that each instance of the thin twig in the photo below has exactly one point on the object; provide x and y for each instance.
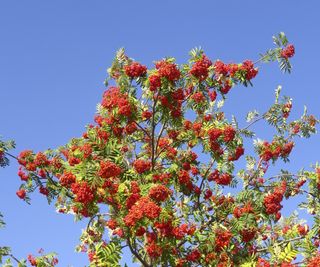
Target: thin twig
(144, 130)
(13, 257)
(137, 254)
(10, 155)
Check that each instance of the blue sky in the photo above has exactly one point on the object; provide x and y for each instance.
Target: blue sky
(53, 60)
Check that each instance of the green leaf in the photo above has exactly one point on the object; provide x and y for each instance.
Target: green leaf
(108, 255)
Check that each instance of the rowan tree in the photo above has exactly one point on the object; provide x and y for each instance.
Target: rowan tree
(153, 173)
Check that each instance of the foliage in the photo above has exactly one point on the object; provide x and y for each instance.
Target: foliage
(5, 146)
(154, 181)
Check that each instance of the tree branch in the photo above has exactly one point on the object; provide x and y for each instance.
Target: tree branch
(136, 254)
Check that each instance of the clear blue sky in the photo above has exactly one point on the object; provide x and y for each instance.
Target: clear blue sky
(53, 60)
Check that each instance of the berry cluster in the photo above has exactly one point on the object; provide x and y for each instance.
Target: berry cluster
(200, 69)
(159, 193)
(142, 166)
(288, 51)
(272, 201)
(113, 98)
(135, 70)
(168, 70)
(220, 178)
(144, 207)
(84, 193)
(109, 169)
(275, 149)
(67, 179)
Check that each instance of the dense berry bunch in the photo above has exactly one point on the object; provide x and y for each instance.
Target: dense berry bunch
(314, 262)
(200, 69)
(223, 239)
(168, 70)
(272, 201)
(142, 166)
(288, 51)
(155, 82)
(249, 69)
(135, 70)
(109, 169)
(113, 98)
(159, 193)
(275, 149)
(67, 179)
(144, 207)
(84, 193)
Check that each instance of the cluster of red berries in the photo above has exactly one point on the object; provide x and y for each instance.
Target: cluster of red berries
(25, 157)
(314, 261)
(184, 178)
(109, 169)
(21, 193)
(221, 68)
(264, 263)
(159, 193)
(225, 86)
(288, 51)
(134, 196)
(153, 250)
(275, 150)
(286, 109)
(112, 224)
(31, 162)
(141, 165)
(228, 134)
(272, 201)
(231, 69)
(144, 207)
(245, 209)
(237, 154)
(163, 178)
(223, 238)
(146, 114)
(248, 234)
(130, 128)
(249, 68)
(303, 229)
(194, 255)
(168, 70)
(41, 160)
(84, 193)
(198, 97)
(135, 70)
(155, 82)
(173, 101)
(200, 68)
(171, 152)
(180, 231)
(113, 98)
(23, 176)
(220, 178)
(35, 262)
(67, 179)
(166, 229)
(32, 260)
(86, 149)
